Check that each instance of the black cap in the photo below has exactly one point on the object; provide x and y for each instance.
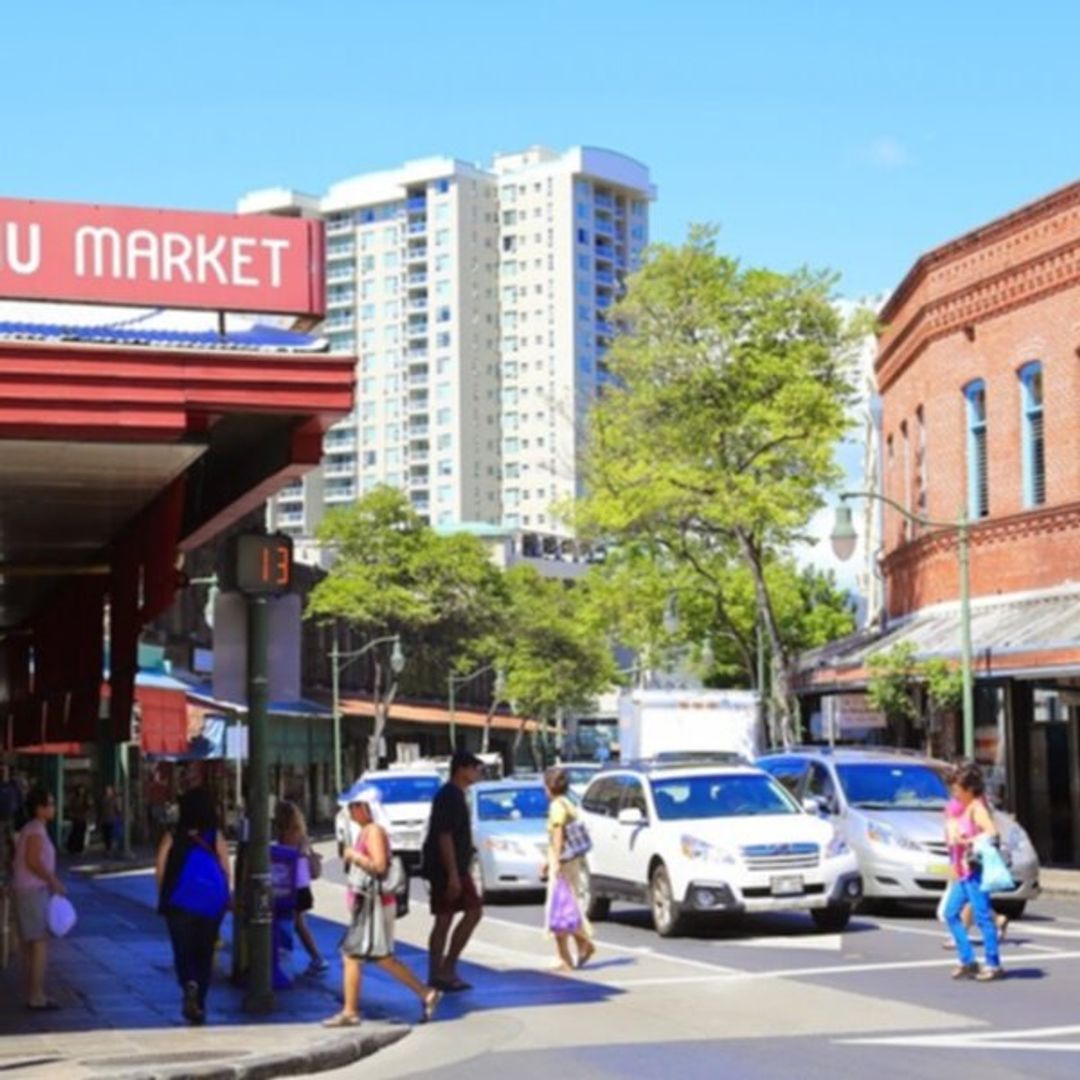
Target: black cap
(464, 759)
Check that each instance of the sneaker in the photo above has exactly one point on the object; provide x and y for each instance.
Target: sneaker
(318, 966)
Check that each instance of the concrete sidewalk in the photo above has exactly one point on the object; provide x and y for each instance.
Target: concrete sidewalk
(120, 1014)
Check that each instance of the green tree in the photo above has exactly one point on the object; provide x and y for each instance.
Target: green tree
(552, 659)
(393, 574)
(715, 435)
(894, 676)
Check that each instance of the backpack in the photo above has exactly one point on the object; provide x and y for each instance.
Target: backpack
(201, 887)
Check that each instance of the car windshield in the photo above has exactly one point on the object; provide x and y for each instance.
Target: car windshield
(687, 797)
(885, 786)
(579, 777)
(407, 788)
(512, 804)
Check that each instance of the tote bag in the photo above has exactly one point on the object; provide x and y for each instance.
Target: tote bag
(995, 875)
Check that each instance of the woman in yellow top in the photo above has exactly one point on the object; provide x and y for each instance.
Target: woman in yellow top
(564, 912)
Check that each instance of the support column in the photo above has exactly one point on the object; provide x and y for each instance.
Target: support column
(260, 993)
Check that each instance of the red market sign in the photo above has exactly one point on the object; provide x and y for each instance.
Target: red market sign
(71, 252)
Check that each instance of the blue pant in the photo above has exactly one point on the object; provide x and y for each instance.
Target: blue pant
(968, 892)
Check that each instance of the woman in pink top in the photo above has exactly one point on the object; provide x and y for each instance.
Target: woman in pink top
(962, 830)
(34, 880)
(364, 940)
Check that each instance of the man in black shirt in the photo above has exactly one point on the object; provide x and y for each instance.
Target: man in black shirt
(448, 853)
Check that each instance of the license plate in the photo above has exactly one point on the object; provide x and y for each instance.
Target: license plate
(407, 841)
(787, 886)
(938, 869)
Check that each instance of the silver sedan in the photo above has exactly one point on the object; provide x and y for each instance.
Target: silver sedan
(509, 824)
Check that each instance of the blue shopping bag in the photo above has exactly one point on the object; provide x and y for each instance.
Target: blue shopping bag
(995, 876)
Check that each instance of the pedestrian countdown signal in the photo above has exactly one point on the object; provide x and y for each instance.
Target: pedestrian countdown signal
(261, 565)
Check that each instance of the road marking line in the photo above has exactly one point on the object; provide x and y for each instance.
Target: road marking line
(943, 935)
(836, 969)
(1025, 1039)
(634, 950)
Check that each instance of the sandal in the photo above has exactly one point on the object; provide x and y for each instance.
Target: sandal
(431, 1003)
(342, 1020)
(586, 955)
(990, 974)
(966, 971)
(451, 986)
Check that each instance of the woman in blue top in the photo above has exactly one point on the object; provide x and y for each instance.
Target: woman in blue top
(193, 935)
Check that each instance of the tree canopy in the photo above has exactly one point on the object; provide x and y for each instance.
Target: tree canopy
(713, 440)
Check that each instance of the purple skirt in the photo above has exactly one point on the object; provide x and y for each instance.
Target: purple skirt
(564, 915)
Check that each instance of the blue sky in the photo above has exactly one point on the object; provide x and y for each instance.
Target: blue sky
(835, 134)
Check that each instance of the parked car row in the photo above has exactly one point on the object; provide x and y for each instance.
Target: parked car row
(806, 829)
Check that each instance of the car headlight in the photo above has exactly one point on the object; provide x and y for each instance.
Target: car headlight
(693, 848)
(877, 833)
(836, 847)
(1016, 842)
(507, 847)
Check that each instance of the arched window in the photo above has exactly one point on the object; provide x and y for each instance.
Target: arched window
(1032, 443)
(978, 476)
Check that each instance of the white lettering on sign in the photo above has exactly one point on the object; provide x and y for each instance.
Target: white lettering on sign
(13, 256)
(144, 255)
(76, 252)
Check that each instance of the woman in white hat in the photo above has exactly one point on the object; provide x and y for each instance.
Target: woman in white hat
(370, 936)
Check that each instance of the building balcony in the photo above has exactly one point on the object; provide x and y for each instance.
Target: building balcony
(417, 303)
(342, 446)
(418, 277)
(605, 202)
(416, 203)
(340, 470)
(418, 378)
(344, 494)
(605, 328)
(419, 454)
(417, 353)
(419, 431)
(416, 253)
(603, 301)
(605, 253)
(605, 277)
(417, 227)
(341, 251)
(341, 299)
(602, 227)
(339, 322)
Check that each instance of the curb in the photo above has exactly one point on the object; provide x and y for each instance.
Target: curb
(336, 1053)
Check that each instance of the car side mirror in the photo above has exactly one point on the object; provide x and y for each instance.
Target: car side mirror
(631, 815)
(813, 805)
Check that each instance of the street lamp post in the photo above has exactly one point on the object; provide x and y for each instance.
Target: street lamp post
(453, 681)
(843, 540)
(339, 661)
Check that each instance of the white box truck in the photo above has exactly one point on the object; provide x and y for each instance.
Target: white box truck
(655, 723)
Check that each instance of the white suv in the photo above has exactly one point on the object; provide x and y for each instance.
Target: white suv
(710, 840)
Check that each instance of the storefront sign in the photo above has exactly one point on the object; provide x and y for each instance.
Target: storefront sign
(71, 252)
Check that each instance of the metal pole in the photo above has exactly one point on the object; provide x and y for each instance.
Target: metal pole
(453, 724)
(260, 992)
(335, 675)
(962, 548)
(126, 803)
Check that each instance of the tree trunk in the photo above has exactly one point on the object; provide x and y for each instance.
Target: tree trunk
(781, 681)
(382, 715)
(485, 739)
(518, 736)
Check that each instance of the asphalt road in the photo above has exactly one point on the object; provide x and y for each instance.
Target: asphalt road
(761, 997)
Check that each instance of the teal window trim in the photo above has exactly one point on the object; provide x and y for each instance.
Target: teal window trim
(1032, 434)
(977, 451)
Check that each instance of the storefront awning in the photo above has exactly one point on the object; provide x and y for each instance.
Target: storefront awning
(1019, 635)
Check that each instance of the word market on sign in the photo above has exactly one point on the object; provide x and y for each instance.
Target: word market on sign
(119, 255)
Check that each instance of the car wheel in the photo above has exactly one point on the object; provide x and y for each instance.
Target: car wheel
(597, 908)
(832, 918)
(1011, 909)
(667, 918)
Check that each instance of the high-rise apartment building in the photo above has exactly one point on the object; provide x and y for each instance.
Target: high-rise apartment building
(476, 304)
(571, 227)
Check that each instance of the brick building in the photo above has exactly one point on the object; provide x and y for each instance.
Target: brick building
(978, 369)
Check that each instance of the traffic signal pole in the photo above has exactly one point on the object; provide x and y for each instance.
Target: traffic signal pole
(260, 906)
